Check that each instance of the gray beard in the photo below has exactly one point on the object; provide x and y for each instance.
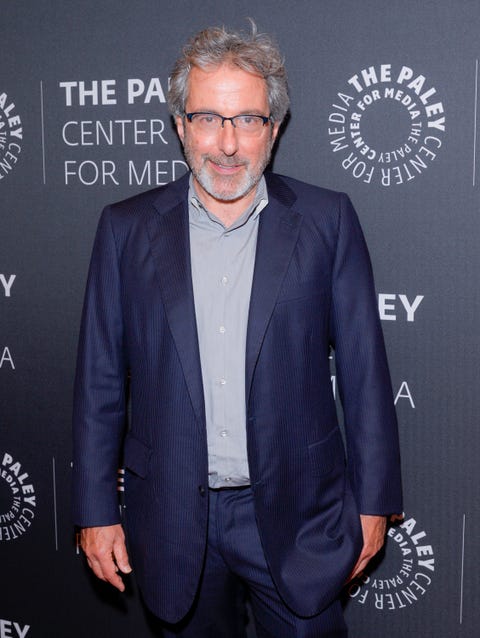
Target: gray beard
(226, 194)
(207, 181)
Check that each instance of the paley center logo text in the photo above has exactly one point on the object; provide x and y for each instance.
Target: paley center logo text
(11, 135)
(18, 502)
(405, 575)
(387, 126)
(12, 629)
(122, 136)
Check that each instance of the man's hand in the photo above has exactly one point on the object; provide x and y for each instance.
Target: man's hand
(373, 528)
(106, 553)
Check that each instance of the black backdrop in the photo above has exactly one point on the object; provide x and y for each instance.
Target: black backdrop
(384, 106)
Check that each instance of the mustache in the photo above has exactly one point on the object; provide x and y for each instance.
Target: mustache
(225, 160)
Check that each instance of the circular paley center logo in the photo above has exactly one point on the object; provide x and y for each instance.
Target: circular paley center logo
(387, 126)
(11, 135)
(404, 575)
(17, 499)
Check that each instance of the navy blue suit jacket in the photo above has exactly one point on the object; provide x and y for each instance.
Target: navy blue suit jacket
(312, 290)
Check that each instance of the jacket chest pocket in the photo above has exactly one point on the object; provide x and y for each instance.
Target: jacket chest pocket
(300, 290)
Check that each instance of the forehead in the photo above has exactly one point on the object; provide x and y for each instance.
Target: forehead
(226, 89)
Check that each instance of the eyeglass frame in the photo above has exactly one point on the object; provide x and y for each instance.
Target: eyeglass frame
(264, 118)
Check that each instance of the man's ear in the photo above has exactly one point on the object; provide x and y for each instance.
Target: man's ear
(275, 129)
(179, 123)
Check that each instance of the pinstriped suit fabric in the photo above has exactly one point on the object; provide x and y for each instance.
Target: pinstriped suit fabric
(312, 289)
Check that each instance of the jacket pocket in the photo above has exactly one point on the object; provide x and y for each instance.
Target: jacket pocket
(136, 456)
(327, 454)
(301, 290)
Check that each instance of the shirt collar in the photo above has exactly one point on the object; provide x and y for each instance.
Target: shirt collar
(253, 211)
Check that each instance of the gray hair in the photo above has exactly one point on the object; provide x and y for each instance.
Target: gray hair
(255, 53)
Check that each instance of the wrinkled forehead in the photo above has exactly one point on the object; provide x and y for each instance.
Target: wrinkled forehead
(224, 84)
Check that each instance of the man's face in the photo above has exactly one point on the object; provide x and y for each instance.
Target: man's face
(226, 164)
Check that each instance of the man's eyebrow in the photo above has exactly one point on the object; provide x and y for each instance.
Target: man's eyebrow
(201, 110)
(215, 112)
(252, 112)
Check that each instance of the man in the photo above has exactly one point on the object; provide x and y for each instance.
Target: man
(219, 297)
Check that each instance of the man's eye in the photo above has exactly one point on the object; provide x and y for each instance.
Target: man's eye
(248, 120)
(207, 119)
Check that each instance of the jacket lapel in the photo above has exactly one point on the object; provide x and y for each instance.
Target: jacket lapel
(170, 245)
(277, 236)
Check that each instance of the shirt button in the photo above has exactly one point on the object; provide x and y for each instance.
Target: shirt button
(224, 280)
(222, 330)
(223, 381)
(224, 433)
(227, 479)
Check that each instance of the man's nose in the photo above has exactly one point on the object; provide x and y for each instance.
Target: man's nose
(228, 138)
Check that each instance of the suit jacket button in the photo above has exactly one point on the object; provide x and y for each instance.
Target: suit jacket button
(201, 489)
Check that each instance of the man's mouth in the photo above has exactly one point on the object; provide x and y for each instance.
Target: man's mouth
(226, 168)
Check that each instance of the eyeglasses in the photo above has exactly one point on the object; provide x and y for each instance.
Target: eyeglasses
(212, 122)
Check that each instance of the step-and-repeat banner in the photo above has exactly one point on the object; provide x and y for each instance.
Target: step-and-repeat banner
(385, 107)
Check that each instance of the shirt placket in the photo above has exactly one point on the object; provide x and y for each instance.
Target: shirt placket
(223, 281)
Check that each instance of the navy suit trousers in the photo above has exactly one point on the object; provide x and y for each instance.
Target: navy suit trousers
(234, 565)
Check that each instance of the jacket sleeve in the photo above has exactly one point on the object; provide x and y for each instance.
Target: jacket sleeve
(99, 393)
(362, 374)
